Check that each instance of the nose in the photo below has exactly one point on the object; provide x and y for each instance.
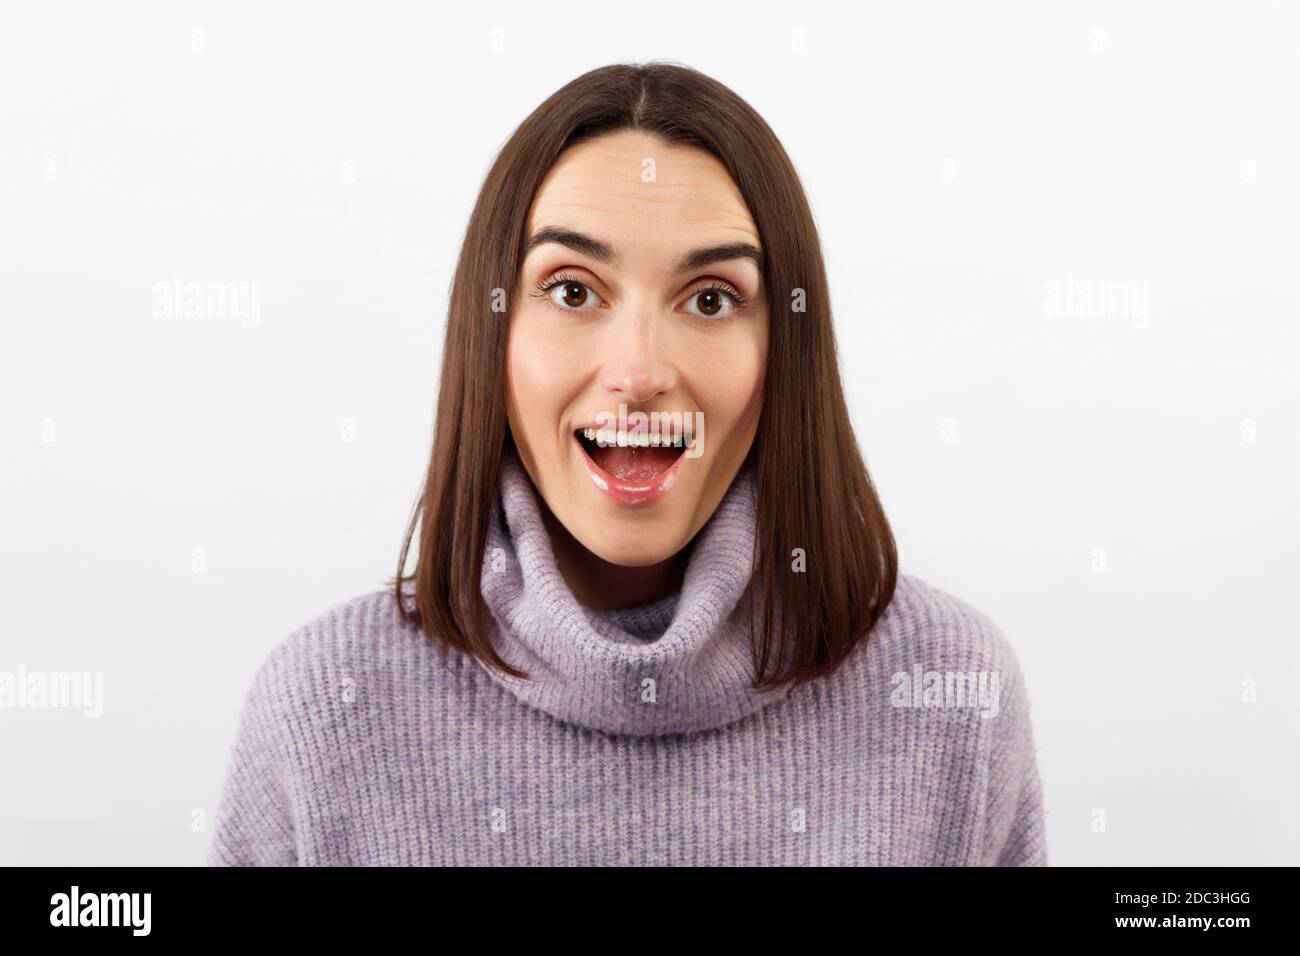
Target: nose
(636, 370)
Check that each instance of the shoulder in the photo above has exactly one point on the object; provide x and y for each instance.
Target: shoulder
(360, 643)
(933, 653)
(942, 698)
(927, 625)
(351, 630)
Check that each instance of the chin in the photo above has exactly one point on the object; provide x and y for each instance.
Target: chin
(631, 544)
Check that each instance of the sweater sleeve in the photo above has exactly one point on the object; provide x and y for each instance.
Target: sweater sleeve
(254, 823)
(1014, 821)
(1025, 843)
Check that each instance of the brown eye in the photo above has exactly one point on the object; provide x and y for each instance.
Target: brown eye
(575, 293)
(572, 295)
(710, 302)
(714, 303)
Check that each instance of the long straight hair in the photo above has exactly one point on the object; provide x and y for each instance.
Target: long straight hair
(816, 502)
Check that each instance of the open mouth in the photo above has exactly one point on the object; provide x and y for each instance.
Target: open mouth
(633, 458)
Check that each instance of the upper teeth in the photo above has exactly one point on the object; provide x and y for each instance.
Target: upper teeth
(622, 438)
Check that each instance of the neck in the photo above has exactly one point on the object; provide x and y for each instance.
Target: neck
(601, 585)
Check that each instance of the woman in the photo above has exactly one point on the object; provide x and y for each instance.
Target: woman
(655, 615)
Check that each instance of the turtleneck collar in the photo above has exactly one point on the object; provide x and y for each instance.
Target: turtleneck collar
(678, 664)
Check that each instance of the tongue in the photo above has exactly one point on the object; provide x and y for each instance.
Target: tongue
(634, 463)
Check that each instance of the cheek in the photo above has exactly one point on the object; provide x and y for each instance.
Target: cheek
(730, 390)
(539, 376)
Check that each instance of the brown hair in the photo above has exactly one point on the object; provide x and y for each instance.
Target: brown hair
(814, 491)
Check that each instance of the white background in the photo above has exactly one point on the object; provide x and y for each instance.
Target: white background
(959, 163)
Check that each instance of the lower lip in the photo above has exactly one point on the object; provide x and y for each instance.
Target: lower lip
(631, 493)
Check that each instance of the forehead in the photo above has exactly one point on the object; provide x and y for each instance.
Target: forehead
(635, 191)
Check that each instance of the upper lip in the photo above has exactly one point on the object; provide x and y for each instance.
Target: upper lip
(613, 425)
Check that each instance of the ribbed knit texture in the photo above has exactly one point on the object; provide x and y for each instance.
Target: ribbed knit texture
(637, 742)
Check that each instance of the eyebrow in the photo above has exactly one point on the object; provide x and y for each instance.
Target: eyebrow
(602, 252)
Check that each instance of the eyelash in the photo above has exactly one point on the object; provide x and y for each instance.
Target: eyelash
(738, 299)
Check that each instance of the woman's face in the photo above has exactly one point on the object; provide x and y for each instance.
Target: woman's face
(638, 293)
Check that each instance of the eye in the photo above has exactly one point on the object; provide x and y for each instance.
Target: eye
(716, 301)
(568, 294)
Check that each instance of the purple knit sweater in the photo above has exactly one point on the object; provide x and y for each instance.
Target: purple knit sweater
(637, 741)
